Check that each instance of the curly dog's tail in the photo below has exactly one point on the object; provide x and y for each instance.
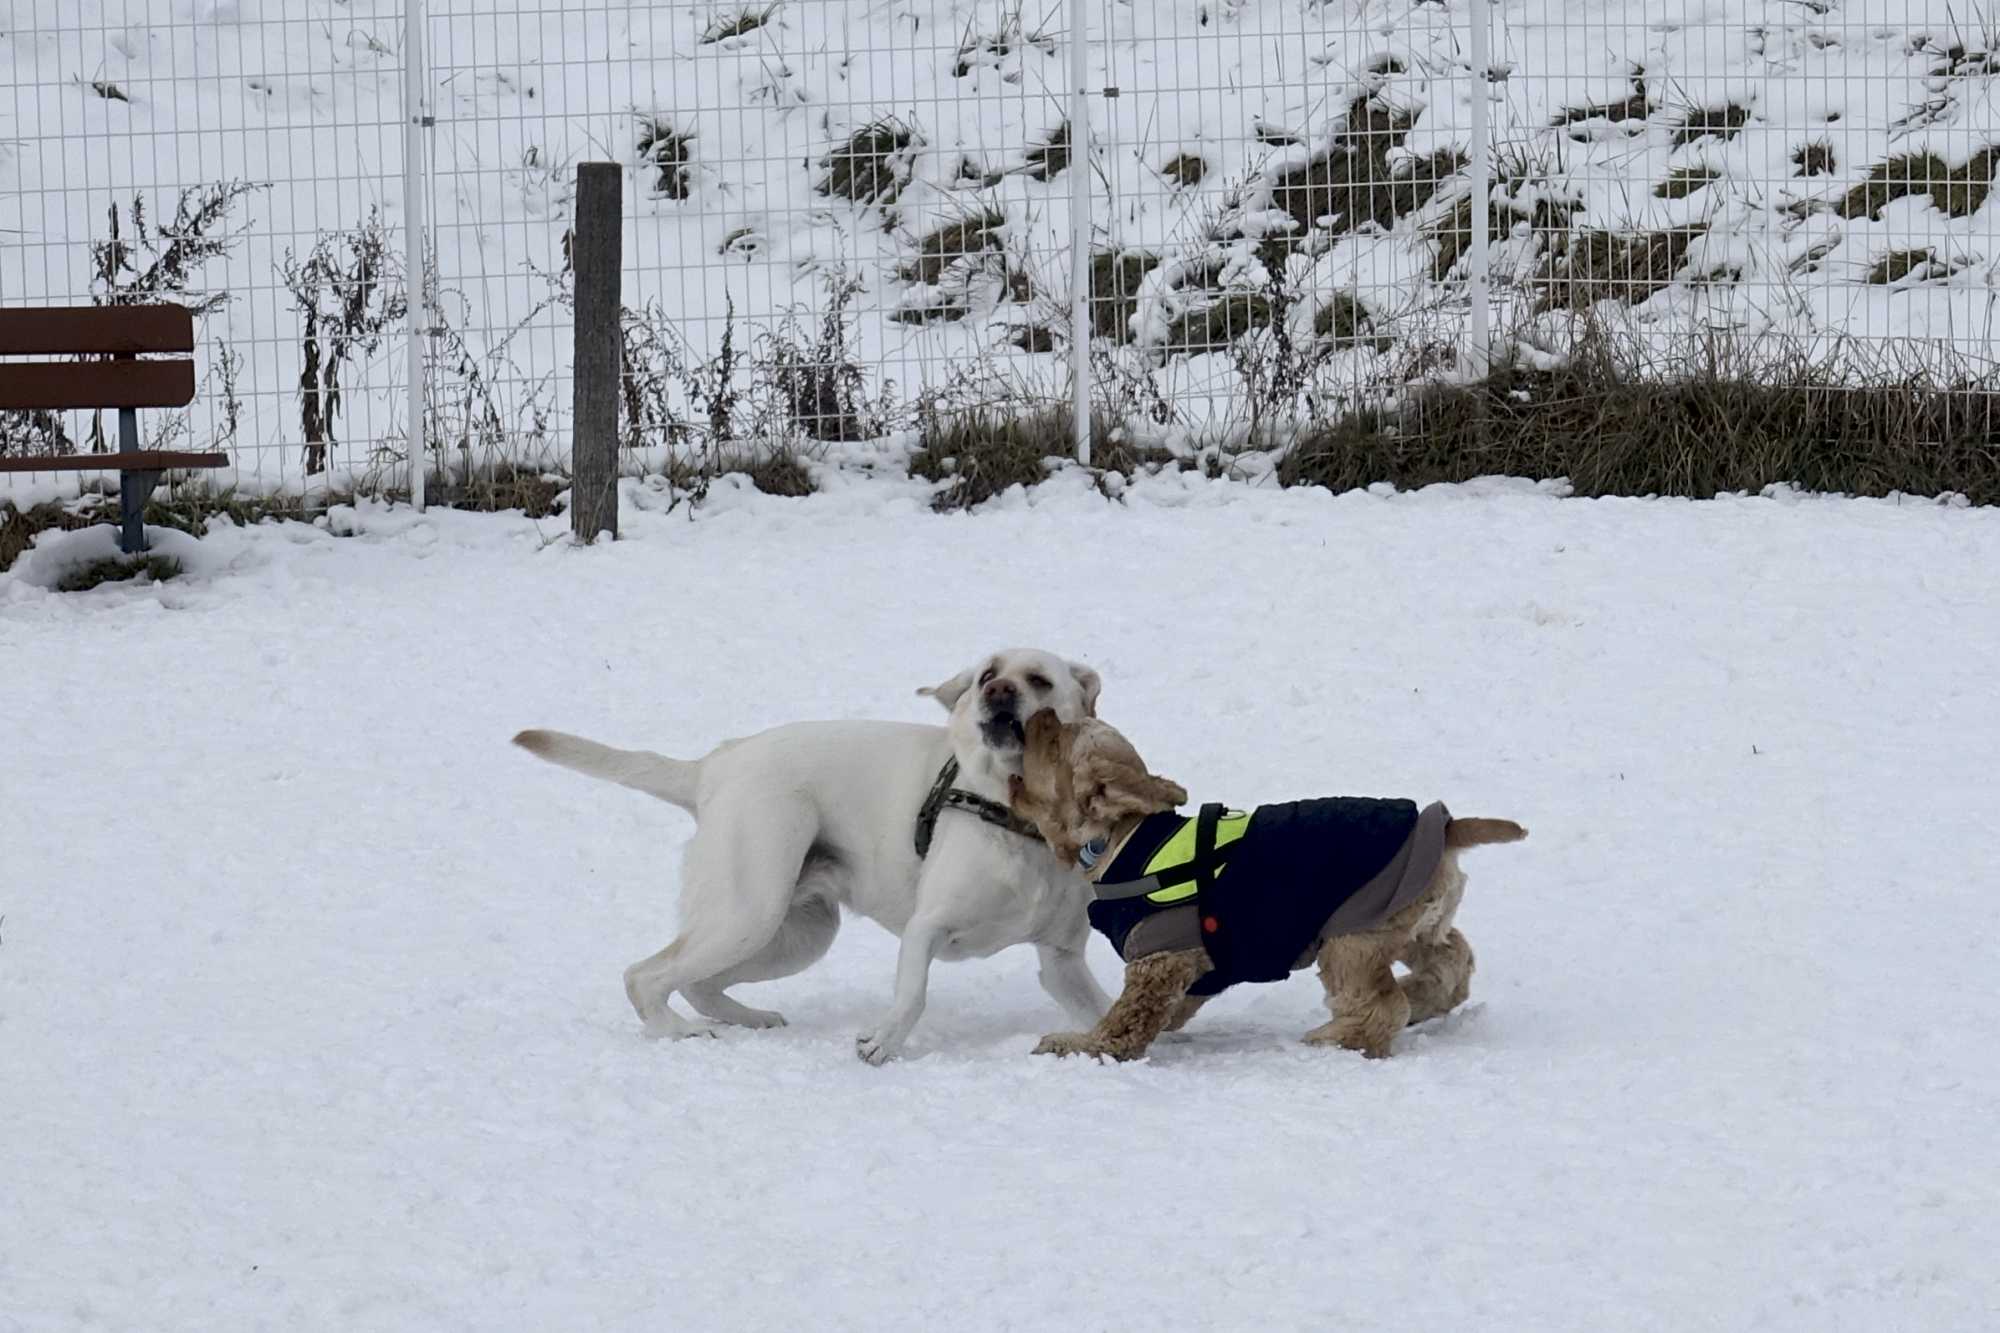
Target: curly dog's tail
(1479, 832)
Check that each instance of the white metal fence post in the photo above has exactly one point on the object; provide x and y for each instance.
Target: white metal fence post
(1079, 203)
(416, 175)
(1476, 348)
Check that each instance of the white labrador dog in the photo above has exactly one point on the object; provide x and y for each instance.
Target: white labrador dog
(796, 822)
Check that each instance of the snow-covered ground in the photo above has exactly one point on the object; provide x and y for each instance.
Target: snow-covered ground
(310, 1012)
(1803, 103)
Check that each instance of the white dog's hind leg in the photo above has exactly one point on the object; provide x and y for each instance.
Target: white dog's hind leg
(801, 941)
(1067, 979)
(649, 998)
(913, 975)
(709, 1001)
(737, 885)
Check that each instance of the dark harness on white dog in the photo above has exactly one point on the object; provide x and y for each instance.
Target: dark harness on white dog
(945, 796)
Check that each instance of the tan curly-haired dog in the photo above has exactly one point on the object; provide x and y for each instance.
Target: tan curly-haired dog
(1358, 885)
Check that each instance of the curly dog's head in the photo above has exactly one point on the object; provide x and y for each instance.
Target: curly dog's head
(1080, 781)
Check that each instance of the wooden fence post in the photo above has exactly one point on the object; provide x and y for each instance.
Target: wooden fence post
(596, 257)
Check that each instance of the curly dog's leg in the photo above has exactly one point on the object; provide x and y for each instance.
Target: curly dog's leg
(1154, 988)
(1189, 1007)
(1439, 959)
(1440, 975)
(1369, 1008)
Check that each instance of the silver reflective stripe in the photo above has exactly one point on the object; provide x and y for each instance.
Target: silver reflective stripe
(1131, 888)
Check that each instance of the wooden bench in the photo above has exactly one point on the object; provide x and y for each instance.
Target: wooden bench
(119, 335)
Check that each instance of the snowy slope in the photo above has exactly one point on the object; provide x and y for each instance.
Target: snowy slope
(310, 1012)
(1757, 217)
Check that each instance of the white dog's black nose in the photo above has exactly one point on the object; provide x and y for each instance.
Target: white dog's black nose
(1000, 691)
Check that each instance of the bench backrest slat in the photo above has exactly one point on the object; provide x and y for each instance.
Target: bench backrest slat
(122, 330)
(54, 385)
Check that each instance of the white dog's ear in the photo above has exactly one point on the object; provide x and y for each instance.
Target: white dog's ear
(1091, 683)
(948, 693)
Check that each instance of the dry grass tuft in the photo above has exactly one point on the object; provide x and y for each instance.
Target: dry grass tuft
(1546, 212)
(668, 153)
(981, 452)
(937, 308)
(1185, 170)
(942, 247)
(1115, 276)
(1684, 181)
(534, 491)
(1215, 326)
(1344, 322)
(1035, 338)
(1712, 122)
(1813, 159)
(1899, 264)
(1049, 158)
(1356, 184)
(773, 469)
(20, 527)
(779, 471)
(1714, 423)
(740, 23)
(187, 508)
(1636, 105)
(1591, 266)
(119, 569)
(1956, 191)
(872, 166)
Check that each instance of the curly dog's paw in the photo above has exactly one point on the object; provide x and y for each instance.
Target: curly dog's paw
(1071, 1043)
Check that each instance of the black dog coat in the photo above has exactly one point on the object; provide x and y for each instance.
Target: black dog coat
(1262, 891)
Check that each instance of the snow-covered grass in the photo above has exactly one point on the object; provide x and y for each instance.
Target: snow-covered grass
(309, 1002)
(1811, 170)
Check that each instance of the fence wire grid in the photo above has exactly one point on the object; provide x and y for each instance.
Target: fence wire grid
(846, 217)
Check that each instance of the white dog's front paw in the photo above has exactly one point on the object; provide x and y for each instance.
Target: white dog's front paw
(670, 1026)
(661, 1023)
(877, 1047)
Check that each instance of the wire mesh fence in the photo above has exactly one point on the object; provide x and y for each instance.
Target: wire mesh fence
(1801, 171)
(248, 167)
(849, 217)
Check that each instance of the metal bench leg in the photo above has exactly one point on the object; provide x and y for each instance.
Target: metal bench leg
(134, 488)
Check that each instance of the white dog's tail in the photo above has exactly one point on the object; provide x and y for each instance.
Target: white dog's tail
(1480, 832)
(641, 770)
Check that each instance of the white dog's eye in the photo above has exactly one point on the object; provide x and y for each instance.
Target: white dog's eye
(987, 675)
(1041, 683)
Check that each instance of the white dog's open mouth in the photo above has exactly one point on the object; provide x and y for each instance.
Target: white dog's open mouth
(1003, 731)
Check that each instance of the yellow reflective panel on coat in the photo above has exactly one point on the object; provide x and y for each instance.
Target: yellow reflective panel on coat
(1178, 850)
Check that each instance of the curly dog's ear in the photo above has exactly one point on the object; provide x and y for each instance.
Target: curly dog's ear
(1111, 788)
(1164, 792)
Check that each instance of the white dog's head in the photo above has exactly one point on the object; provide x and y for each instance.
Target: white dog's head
(990, 702)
